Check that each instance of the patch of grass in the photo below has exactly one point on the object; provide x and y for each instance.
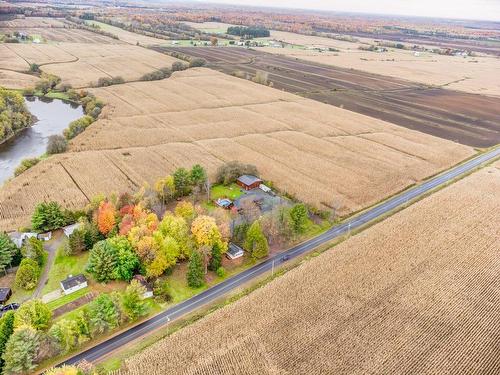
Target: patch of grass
(232, 192)
(63, 266)
(57, 95)
(67, 299)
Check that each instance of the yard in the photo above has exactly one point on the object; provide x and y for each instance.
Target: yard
(63, 266)
(232, 192)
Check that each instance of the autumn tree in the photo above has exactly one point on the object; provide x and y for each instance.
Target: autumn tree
(165, 188)
(133, 304)
(103, 261)
(106, 217)
(33, 313)
(185, 210)
(20, 351)
(206, 232)
(177, 228)
(256, 242)
(195, 274)
(65, 333)
(166, 255)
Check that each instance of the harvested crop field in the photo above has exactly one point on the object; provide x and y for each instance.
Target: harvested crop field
(415, 294)
(15, 80)
(81, 64)
(470, 119)
(323, 155)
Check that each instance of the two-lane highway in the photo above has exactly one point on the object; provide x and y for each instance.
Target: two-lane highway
(97, 352)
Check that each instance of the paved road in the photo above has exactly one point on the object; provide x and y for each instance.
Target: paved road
(190, 305)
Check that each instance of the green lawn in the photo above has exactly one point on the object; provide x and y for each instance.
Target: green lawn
(57, 95)
(64, 266)
(67, 299)
(232, 192)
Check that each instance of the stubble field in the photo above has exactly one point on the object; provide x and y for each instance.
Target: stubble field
(415, 294)
(323, 155)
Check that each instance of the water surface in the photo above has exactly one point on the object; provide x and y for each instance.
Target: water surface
(53, 116)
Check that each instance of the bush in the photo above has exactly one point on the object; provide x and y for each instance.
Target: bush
(161, 291)
(34, 68)
(178, 66)
(48, 216)
(25, 165)
(109, 81)
(29, 91)
(229, 172)
(221, 272)
(57, 144)
(195, 63)
(157, 75)
(78, 126)
(27, 274)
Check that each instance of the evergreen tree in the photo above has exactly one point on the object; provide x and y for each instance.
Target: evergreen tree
(7, 251)
(195, 274)
(76, 242)
(256, 242)
(27, 274)
(102, 261)
(216, 257)
(299, 217)
(48, 216)
(133, 304)
(182, 182)
(102, 314)
(20, 351)
(33, 249)
(198, 175)
(6, 330)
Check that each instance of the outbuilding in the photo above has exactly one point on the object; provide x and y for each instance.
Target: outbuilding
(73, 283)
(69, 229)
(5, 294)
(19, 237)
(45, 236)
(234, 251)
(248, 182)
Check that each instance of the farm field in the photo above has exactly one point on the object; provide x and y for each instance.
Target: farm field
(326, 156)
(462, 117)
(127, 36)
(80, 64)
(426, 278)
(15, 80)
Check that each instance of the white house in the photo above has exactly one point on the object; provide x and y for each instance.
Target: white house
(44, 236)
(69, 229)
(234, 251)
(73, 283)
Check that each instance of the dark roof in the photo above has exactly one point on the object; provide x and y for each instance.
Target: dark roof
(234, 249)
(5, 294)
(248, 180)
(142, 280)
(73, 281)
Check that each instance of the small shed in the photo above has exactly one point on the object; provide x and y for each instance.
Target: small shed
(234, 251)
(5, 294)
(248, 182)
(224, 203)
(73, 283)
(45, 236)
(149, 290)
(69, 229)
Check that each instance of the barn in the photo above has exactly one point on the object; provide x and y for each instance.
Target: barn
(248, 182)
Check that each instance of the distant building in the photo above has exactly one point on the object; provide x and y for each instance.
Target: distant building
(5, 294)
(248, 182)
(69, 229)
(45, 236)
(73, 283)
(234, 251)
(19, 237)
(149, 290)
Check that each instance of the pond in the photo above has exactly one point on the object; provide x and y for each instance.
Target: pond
(53, 116)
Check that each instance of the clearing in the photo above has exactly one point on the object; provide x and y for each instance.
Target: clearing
(427, 278)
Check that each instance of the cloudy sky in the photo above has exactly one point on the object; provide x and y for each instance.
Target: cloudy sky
(468, 9)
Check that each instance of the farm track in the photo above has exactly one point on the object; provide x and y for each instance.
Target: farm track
(376, 213)
(469, 119)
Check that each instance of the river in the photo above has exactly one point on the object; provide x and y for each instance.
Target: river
(53, 116)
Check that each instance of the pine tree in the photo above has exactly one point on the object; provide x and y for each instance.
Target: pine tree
(20, 351)
(6, 330)
(132, 302)
(195, 274)
(216, 257)
(256, 242)
(7, 251)
(299, 217)
(102, 261)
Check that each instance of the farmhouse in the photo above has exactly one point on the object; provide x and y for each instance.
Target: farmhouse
(234, 251)
(248, 182)
(73, 283)
(5, 294)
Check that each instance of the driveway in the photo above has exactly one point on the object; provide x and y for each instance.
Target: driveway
(51, 247)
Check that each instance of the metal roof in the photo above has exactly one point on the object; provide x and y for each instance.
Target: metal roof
(73, 281)
(247, 179)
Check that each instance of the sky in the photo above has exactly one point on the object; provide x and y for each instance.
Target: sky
(467, 9)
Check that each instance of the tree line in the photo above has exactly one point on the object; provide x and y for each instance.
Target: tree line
(249, 32)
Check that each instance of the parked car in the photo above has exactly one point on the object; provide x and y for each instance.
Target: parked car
(9, 307)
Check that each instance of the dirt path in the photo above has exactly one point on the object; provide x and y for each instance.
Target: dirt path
(51, 247)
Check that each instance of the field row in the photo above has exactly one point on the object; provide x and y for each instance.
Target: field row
(426, 278)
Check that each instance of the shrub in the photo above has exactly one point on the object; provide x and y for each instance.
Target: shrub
(77, 126)
(221, 272)
(29, 91)
(178, 66)
(157, 75)
(57, 144)
(161, 291)
(27, 274)
(109, 81)
(25, 165)
(229, 172)
(195, 63)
